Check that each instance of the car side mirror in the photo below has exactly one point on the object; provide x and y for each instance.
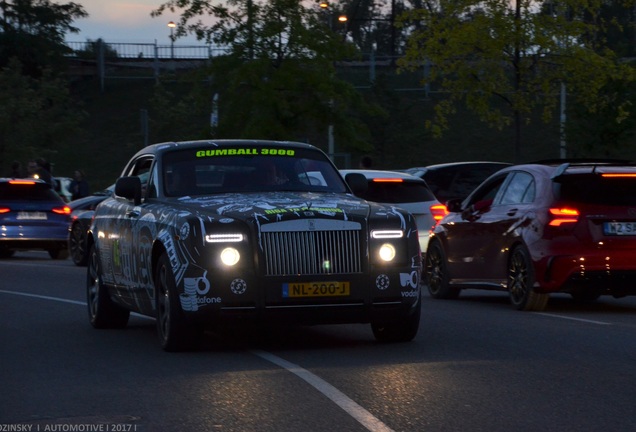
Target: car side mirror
(130, 188)
(357, 182)
(454, 205)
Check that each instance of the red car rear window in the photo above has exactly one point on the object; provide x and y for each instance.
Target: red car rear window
(594, 189)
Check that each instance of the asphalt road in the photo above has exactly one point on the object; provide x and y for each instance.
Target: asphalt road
(476, 365)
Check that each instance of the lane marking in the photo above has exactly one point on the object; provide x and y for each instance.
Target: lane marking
(44, 297)
(363, 416)
(573, 319)
(59, 299)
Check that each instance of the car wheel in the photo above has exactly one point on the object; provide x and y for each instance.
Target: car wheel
(58, 253)
(402, 330)
(77, 245)
(521, 282)
(102, 311)
(6, 253)
(175, 332)
(436, 275)
(586, 295)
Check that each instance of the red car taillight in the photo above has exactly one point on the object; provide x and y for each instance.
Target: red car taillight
(560, 216)
(438, 211)
(4, 210)
(66, 210)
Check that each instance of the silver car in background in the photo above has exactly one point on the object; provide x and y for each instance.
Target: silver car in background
(405, 191)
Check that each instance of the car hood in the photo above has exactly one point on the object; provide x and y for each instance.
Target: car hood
(277, 206)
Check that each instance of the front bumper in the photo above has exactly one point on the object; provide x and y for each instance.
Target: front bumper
(379, 296)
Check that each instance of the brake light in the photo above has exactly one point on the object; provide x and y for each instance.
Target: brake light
(62, 210)
(4, 210)
(22, 182)
(388, 180)
(618, 175)
(563, 215)
(438, 211)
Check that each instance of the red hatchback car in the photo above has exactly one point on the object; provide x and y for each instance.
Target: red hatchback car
(540, 228)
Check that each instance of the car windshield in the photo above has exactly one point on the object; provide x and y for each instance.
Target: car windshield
(254, 169)
(595, 189)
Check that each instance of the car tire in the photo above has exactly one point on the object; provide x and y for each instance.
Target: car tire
(58, 253)
(6, 253)
(402, 330)
(586, 295)
(77, 245)
(521, 282)
(102, 311)
(436, 273)
(174, 330)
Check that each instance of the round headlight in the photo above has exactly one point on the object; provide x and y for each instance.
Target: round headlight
(387, 252)
(230, 256)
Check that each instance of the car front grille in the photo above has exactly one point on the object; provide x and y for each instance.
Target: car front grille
(314, 252)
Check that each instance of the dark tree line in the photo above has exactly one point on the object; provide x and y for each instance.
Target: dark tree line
(37, 114)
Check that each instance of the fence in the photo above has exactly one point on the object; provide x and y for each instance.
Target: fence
(150, 60)
(135, 60)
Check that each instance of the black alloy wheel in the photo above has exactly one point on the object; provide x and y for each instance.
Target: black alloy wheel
(174, 330)
(102, 311)
(521, 282)
(436, 274)
(77, 245)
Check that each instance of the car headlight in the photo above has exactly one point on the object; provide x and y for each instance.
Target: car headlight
(230, 256)
(386, 234)
(387, 252)
(224, 238)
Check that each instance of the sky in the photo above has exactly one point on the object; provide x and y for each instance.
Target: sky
(125, 21)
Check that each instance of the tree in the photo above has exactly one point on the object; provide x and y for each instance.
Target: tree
(35, 115)
(34, 31)
(36, 111)
(506, 61)
(278, 79)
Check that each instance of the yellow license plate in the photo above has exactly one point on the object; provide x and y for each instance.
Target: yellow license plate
(315, 289)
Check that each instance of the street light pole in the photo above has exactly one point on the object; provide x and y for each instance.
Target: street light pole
(172, 25)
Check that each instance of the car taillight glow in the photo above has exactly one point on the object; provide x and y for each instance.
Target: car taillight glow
(22, 182)
(388, 180)
(563, 215)
(618, 175)
(438, 211)
(62, 210)
(4, 210)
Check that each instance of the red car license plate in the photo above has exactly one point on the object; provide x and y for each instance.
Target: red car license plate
(619, 228)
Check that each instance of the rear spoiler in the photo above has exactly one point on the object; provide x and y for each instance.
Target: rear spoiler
(594, 164)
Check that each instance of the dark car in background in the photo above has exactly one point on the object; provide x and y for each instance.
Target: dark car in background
(405, 191)
(32, 216)
(82, 211)
(206, 232)
(455, 179)
(536, 229)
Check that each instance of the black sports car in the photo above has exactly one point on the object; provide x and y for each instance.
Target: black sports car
(200, 233)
